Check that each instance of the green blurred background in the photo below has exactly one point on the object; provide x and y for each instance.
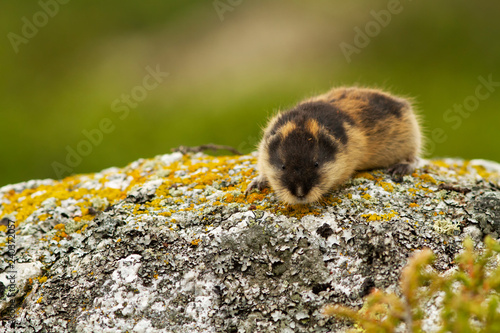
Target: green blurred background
(231, 64)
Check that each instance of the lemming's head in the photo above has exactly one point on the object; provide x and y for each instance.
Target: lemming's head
(301, 155)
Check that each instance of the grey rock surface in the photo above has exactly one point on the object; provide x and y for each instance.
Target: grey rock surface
(171, 244)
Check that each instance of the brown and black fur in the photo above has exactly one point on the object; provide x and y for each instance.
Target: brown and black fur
(318, 145)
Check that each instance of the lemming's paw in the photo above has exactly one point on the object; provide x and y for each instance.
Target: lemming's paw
(259, 183)
(397, 171)
(400, 169)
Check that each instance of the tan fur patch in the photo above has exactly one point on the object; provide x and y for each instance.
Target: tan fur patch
(287, 128)
(313, 127)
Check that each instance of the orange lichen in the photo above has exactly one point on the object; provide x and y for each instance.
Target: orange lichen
(229, 198)
(196, 242)
(41, 279)
(297, 211)
(329, 200)
(251, 198)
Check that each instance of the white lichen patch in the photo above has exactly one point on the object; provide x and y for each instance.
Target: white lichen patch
(445, 226)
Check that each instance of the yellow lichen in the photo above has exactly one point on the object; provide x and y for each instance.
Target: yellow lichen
(481, 171)
(366, 196)
(386, 186)
(365, 175)
(214, 171)
(380, 217)
(427, 178)
(441, 163)
(463, 169)
(371, 217)
(59, 226)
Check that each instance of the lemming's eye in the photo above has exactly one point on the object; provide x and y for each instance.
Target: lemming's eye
(283, 167)
(316, 164)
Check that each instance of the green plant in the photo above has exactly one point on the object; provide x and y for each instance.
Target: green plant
(469, 296)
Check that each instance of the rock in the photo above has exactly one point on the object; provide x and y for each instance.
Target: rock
(487, 207)
(171, 244)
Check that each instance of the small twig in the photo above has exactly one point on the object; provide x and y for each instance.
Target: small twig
(197, 149)
(449, 187)
(408, 318)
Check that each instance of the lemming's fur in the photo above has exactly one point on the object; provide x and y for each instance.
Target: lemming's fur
(318, 145)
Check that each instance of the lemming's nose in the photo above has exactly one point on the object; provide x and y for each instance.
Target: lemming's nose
(300, 192)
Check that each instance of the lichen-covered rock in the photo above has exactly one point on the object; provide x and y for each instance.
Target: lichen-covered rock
(171, 244)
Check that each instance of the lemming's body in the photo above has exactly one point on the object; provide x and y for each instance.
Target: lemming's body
(319, 144)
